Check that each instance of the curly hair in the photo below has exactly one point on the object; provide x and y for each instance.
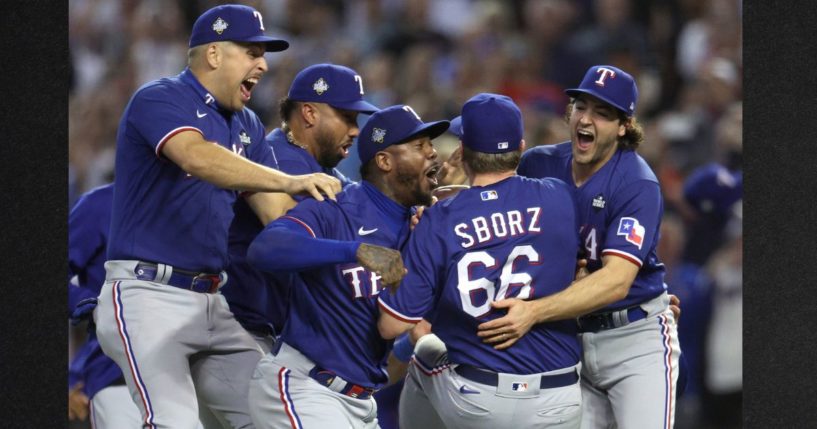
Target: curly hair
(633, 134)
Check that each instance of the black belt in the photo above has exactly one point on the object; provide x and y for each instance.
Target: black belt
(326, 377)
(491, 378)
(197, 282)
(614, 319)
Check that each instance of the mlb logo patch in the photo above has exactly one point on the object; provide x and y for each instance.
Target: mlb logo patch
(632, 231)
(519, 387)
(488, 195)
(502, 145)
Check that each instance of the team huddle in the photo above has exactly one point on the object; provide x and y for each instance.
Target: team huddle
(239, 280)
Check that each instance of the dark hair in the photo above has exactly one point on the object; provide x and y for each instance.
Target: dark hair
(480, 162)
(285, 109)
(633, 134)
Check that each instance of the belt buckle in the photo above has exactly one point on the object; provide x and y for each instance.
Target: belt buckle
(214, 280)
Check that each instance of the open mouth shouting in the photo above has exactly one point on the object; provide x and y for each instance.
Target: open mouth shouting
(431, 175)
(584, 140)
(246, 88)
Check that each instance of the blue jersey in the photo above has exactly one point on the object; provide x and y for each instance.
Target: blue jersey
(160, 213)
(260, 300)
(619, 210)
(333, 312)
(88, 225)
(513, 239)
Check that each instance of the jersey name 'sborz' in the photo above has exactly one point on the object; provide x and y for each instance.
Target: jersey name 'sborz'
(499, 225)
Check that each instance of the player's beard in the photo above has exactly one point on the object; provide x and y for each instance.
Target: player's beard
(328, 154)
(411, 184)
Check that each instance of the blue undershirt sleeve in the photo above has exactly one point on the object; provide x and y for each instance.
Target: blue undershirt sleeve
(285, 246)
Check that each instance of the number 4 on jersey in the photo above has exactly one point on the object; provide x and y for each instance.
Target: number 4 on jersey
(469, 287)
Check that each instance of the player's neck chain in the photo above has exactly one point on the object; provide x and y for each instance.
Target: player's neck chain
(291, 139)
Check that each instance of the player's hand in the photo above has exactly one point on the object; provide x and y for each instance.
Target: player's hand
(452, 173)
(415, 218)
(77, 403)
(387, 263)
(419, 330)
(581, 269)
(506, 330)
(315, 184)
(675, 307)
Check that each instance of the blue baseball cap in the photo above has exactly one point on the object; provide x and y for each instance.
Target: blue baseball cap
(456, 126)
(233, 23)
(491, 123)
(610, 84)
(394, 125)
(337, 86)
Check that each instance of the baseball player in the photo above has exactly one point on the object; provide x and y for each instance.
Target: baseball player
(319, 124)
(505, 236)
(628, 332)
(185, 146)
(330, 358)
(92, 373)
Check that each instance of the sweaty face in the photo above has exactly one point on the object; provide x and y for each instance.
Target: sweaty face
(335, 133)
(240, 68)
(416, 169)
(594, 130)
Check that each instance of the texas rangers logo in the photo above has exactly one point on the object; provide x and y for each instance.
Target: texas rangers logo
(220, 25)
(320, 86)
(245, 138)
(378, 135)
(605, 73)
(632, 231)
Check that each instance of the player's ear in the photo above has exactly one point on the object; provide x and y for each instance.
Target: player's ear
(309, 114)
(522, 145)
(213, 55)
(383, 161)
(622, 128)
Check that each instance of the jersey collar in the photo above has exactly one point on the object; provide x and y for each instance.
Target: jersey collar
(187, 77)
(386, 205)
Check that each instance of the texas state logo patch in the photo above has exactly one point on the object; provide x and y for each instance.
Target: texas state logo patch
(632, 231)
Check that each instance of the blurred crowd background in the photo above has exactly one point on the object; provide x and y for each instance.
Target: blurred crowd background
(434, 55)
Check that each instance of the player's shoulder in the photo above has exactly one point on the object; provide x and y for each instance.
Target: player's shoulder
(162, 88)
(548, 152)
(103, 192)
(633, 168)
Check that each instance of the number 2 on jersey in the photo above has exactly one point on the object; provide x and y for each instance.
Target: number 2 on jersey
(507, 279)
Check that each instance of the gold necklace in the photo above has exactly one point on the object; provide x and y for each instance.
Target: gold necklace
(291, 139)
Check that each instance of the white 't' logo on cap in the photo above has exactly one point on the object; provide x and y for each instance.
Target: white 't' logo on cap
(605, 72)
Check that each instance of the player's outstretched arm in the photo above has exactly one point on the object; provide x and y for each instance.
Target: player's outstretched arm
(605, 286)
(269, 206)
(284, 245)
(225, 169)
